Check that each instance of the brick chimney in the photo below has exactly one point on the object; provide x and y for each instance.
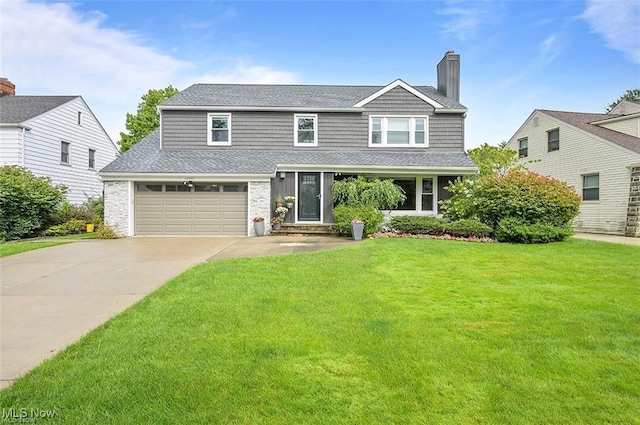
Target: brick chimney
(7, 88)
(449, 75)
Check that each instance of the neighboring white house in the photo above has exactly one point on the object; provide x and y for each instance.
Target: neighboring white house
(597, 154)
(57, 137)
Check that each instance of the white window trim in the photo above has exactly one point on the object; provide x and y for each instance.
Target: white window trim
(418, 195)
(210, 129)
(589, 201)
(315, 129)
(68, 153)
(412, 129)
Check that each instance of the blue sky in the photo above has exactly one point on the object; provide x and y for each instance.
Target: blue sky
(516, 56)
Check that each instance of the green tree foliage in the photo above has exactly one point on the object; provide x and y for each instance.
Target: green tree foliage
(632, 94)
(378, 194)
(27, 202)
(492, 159)
(146, 118)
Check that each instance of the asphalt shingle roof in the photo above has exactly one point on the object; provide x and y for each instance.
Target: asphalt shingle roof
(583, 121)
(147, 157)
(293, 96)
(16, 109)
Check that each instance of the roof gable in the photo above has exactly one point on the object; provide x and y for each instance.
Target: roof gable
(393, 85)
(17, 109)
(584, 121)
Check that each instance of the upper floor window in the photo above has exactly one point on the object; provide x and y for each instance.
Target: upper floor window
(79, 117)
(306, 130)
(591, 187)
(65, 147)
(553, 140)
(398, 131)
(92, 159)
(219, 129)
(523, 148)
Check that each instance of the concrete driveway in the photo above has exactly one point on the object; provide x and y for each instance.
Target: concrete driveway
(52, 296)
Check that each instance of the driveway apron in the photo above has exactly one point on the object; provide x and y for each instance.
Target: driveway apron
(51, 297)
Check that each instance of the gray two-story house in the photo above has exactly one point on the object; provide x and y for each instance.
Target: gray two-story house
(225, 152)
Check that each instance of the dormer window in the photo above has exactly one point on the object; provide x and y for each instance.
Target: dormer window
(219, 129)
(398, 131)
(306, 130)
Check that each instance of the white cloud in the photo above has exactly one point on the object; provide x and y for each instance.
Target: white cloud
(619, 24)
(467, 17)
(241, 72)
(550, 48)
(52, 48)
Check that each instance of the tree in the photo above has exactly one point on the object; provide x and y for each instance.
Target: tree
(491, 159)
(146, 118)
(632, 94)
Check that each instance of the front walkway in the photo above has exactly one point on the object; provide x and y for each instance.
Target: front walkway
(608, 238)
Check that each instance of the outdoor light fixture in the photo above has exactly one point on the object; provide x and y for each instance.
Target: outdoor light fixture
(283, 174)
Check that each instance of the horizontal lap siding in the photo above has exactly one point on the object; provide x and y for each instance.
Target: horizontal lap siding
(10, 146)
(339, 130)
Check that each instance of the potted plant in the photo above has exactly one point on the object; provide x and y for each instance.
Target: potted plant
(289, 200)
(258, 226)
(276, 222)
(279, 201)
(282, 211)
(357, 227)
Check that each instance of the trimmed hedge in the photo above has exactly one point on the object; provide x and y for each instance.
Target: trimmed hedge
(516, 230)
(372, 218)
(418, 225)
(425, 225)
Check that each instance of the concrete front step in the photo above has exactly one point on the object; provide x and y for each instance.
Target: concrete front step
(305, 229)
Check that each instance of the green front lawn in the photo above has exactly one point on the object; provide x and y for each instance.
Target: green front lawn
(11, 248)
(387, 331)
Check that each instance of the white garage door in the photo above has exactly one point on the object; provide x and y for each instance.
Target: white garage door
(196, 209)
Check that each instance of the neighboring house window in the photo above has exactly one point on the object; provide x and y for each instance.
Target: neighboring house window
(306, 130)
(591, 187)
(553, 140)
(64, 152)
(523, 148)
(398, 131)
(427, 194)
(219, 129)
(79, 117)
(92, 159)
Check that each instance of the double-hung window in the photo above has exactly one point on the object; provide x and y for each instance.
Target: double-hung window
(219, 129)
(92, 159)
(65, 147)
(591, 187)
(398, 131)
(306, 130)
(553, 140)
(523, 148)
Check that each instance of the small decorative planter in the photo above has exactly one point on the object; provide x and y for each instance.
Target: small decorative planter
(357, 227)
(258, 226)
(289, 205)
(276, 226)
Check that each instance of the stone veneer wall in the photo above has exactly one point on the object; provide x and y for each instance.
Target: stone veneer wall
(259, 201)
(116, 206)
(633, 210)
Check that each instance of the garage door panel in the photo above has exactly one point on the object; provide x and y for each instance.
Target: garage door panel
(186, 213)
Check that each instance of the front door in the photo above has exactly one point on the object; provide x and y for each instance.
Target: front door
(309, 196)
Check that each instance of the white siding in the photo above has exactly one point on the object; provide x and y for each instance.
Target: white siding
(582, 153)
(10, 146)
(629, 126)
(42, 149)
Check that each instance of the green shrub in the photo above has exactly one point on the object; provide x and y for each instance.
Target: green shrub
(468, 228)
(57, 230)
(68, 228)
(27, 202)
(418, 225)
(517, 230)
(106, 232)
(343, 215)
(96, 207)
(66, 212)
